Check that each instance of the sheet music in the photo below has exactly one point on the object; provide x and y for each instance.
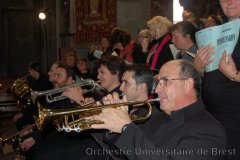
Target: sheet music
(222, 37)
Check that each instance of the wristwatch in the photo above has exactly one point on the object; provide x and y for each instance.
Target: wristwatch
(124, 127)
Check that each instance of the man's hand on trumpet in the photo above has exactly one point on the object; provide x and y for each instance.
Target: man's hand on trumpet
(113, 118)
(74, 93)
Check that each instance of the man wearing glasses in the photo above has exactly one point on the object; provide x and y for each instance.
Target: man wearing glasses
(185, 131)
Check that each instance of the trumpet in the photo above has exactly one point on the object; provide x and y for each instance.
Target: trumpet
(14, 136)
(51, 94)
(16, 139)
(66, 118)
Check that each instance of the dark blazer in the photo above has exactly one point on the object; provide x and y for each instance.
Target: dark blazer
(165, 54)
(183, 135)
(191, 129)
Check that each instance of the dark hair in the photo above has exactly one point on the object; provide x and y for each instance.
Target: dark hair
(35, 66)
(120, 36)
(189, 71)
(69, 71)
(186, 28)
(199, 25)
(142, 74)
(114, 64)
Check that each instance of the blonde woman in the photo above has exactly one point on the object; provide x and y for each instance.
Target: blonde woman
(160, 51)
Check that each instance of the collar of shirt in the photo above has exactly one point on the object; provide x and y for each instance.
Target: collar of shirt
(193, 49)
(189, 110)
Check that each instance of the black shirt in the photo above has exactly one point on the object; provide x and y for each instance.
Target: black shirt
(222, 98)
(221, 95)
(164, 137)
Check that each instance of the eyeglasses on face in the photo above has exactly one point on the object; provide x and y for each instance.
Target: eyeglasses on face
(163, 82)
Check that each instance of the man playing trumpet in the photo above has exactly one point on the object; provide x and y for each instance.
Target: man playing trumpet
(109, 73)
(36, 143)
(110, 70)
(137, 82)
(185, 130)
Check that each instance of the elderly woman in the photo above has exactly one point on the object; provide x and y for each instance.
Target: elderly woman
(221, 87)
(160, 51)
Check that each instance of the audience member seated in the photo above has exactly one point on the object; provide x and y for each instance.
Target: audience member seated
(105, 46)
(84, 68)
(144, 39)
(91, 51)
(129, 50)
(71, 59)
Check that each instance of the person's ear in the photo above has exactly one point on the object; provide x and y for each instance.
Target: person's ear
(142, 87)
(189, 84)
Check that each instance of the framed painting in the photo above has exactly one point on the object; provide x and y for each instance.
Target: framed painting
(94, 19)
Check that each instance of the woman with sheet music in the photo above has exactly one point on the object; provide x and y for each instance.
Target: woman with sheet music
(221, 87)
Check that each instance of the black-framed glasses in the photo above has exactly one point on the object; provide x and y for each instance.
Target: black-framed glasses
(164, 81)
